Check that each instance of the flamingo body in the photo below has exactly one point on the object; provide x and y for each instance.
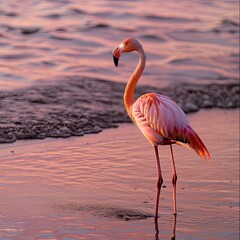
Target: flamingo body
(158, 117)
(163, 122)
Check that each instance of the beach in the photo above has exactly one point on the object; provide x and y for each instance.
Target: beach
(102, 186)
(72, 164)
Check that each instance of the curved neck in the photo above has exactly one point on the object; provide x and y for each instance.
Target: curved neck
(132, 82)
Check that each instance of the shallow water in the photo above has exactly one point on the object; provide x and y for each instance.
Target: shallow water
(103, 186)
(53, 53)
(42, 40)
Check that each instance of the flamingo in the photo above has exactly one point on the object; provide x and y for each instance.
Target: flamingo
(158, 117)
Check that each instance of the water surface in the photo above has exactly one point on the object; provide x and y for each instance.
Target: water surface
(186, 41)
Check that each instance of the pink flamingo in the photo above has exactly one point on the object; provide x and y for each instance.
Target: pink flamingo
(158, 117)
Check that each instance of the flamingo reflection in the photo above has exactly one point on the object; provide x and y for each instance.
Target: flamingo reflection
(173, 228)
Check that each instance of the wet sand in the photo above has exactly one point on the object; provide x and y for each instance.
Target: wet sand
(102, 186)
(76, 106)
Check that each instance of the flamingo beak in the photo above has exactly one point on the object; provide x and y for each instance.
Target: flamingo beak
(115, 60)
(117, 52)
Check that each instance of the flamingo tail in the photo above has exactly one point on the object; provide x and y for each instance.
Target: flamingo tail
(194, 142)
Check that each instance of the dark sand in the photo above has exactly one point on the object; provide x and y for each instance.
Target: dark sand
(102, 186)
(77, 106)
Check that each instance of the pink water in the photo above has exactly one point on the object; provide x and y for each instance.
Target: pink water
(75, 188)
(185, 41)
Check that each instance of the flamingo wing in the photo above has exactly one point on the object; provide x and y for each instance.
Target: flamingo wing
(162, 122)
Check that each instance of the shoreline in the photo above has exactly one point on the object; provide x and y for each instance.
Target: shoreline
(80, 105)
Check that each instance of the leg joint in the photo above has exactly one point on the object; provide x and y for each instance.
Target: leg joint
(174, 179)
(159, 182)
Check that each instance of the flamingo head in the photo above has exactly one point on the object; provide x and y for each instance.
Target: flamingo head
(128, 45)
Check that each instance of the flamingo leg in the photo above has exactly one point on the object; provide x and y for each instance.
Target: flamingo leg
(159, 182)
(174, 181)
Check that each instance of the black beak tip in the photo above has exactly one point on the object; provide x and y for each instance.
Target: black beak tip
(115, 60)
